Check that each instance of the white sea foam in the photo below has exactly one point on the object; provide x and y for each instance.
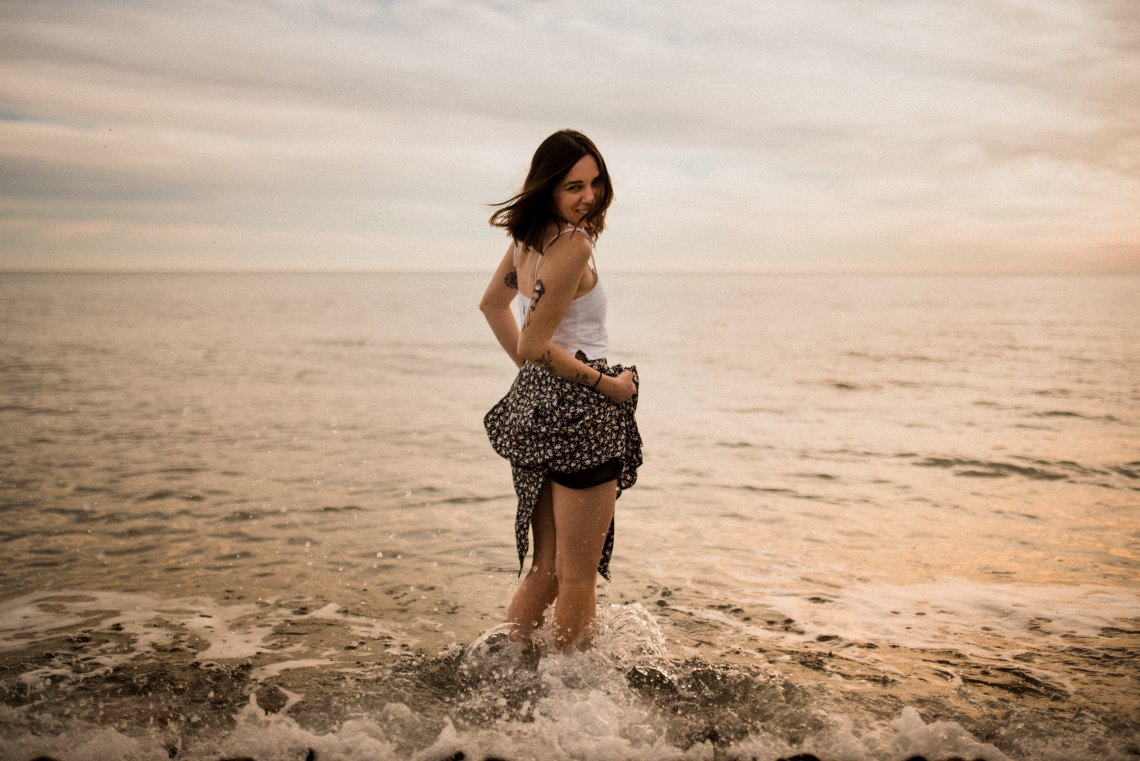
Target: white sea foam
(905, 736)
(223, 629)
(113, 628)
(588, 712)
(263, 673)
(583, 705)
(230, 630)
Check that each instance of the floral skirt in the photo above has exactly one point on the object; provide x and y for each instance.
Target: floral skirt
(546, 423)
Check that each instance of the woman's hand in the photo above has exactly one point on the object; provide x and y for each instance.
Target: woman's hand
(618, 388)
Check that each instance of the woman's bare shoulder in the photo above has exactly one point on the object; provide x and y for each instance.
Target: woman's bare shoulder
(573, 243)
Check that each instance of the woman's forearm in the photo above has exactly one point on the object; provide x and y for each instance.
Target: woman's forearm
(617, 388)
(506, 331)
(560, 362)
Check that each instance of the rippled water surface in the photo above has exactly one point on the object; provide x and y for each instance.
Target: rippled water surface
(879, 517)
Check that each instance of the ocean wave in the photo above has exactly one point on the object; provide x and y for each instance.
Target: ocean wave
(1079, 416)
(989, 469)
(98, 675)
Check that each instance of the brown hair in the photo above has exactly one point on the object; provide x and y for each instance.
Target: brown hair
(528, 215)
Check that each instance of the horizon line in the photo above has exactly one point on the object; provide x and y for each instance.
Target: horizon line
(623, 272)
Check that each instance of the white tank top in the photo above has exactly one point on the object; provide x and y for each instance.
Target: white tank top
(583, 326)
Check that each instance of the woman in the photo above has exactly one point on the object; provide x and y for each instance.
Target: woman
(567, 425)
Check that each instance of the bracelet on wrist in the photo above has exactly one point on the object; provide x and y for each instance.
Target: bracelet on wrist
(599, 380)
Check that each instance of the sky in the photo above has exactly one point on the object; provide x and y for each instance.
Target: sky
(814, 136)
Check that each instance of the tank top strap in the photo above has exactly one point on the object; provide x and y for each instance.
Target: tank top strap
(570, 229)
(567, 229)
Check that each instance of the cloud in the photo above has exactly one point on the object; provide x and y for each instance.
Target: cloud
(816, 136)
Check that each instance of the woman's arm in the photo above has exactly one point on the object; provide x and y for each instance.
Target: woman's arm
(496, 306)
(564, 264)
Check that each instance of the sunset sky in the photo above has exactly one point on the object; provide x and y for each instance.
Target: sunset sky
(835, 136)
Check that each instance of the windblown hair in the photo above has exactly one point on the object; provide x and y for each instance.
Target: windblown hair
(528, 215)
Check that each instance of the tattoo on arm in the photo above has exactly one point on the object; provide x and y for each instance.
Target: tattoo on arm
(512, 280)
(584, 378)
(546, 361)
(539, 289)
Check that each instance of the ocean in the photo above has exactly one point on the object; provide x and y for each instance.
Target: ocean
(256, 516)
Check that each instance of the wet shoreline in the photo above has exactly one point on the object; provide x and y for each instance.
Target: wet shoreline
(308, 672)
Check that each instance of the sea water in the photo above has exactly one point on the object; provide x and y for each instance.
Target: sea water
(879, 517)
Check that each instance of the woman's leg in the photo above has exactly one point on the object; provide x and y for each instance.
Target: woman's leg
(540, 586)
(583, 519)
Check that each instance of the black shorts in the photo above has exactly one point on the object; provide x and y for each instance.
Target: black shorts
(609, 470)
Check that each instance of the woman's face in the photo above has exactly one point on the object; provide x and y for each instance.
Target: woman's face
(576, 193)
